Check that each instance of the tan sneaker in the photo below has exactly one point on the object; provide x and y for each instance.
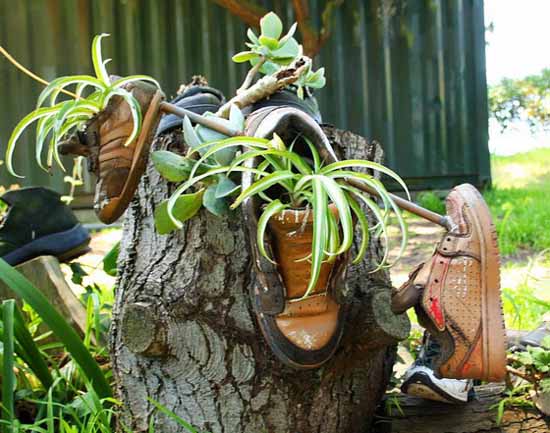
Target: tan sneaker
(118, 168)
(457, 293)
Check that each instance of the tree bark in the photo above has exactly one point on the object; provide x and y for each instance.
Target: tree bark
(415, 415)
(184, 334)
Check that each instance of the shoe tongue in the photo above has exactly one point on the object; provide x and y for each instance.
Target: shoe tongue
(23, 195)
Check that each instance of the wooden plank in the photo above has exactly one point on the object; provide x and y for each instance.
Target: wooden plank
(45, 273)
(416, 415)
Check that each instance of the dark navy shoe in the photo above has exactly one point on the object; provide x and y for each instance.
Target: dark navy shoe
(198, 99)
(38, 223)
(288, 98)
(421, 381)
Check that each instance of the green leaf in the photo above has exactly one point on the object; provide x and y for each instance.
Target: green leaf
(21, 126)
(34, 358)
(225, 187)
(270, 43)
(236, 118)
(289, 35)
(368, 165)
(244, 56)
(215, 205)
(135, 109)
(271, 26)
(192, 181)
(55, 86)
(173, 416)
(252, 36)
(263, 184)
(110, 260)
(190, 135)
(320, 232)
(363, 225)
(8, 375)
(271, 209)
(97, 59)
(289, 51)
(171, 166)
(65, 332)
(131, 78)
(185, 207)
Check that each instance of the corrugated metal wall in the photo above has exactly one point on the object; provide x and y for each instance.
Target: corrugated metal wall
(409, 73)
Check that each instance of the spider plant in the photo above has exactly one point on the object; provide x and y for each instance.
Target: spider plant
(57, 118)
(306, 181)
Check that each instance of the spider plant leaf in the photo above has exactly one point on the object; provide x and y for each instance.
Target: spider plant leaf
(315, 155)
(212, 148)
(263, 184)
(20, 128)
(338, 197)
(333, 237)
(295, 159)
(43, 128)
(319, 241)
(66, 334)
(171, 166)
(368, 165)
(225, 187)
(271, 209)
(97, 59)
(190, 136)
(192, 181)
(131, 78)
(252, 142)
(8, 364)
(54, 88)
(363, 225)
(134, 108)
(379, 216)
(185, 207)
(215, 205)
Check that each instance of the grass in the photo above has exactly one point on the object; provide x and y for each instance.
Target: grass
(519, 201)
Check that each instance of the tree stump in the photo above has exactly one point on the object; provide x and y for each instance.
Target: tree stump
(415, 415)
(184, 334)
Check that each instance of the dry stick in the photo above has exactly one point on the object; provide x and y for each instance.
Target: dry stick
(264, 87)
(29, 73)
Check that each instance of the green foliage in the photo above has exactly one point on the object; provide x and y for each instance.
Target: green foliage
(34, 297)
(92, 94)
(270, 52)
(307, 183)
(525, 99)
(431, 201)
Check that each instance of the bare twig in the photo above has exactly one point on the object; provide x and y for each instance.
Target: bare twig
(267, 86)
(521, 374)
(250, 76)
(30, 73)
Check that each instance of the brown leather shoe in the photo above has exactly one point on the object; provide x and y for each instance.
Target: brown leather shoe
(302, 333)
(457, 294)
(118, 167)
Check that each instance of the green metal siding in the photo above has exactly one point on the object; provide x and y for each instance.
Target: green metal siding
(414, 80)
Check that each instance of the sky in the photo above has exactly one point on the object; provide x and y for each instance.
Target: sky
(519, 45)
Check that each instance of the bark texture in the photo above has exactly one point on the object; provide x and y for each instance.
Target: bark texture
(184, 333)
(478, 416)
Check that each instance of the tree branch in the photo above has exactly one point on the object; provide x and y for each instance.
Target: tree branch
(267, 86)
(247, 11)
